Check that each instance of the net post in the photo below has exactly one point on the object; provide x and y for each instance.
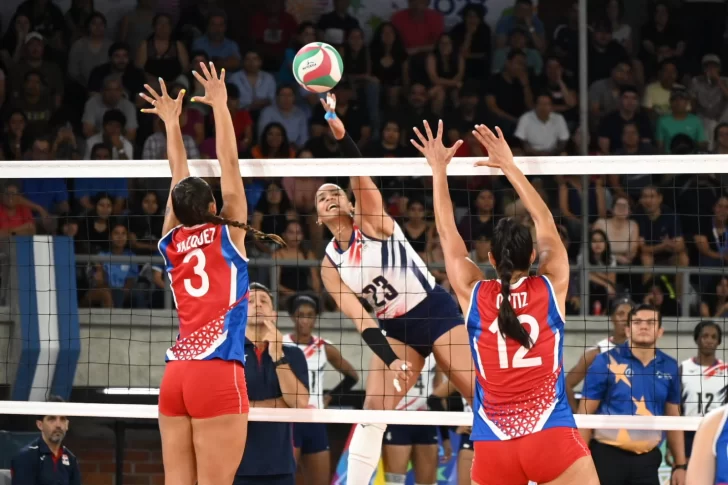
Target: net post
(583, 77)
(584, 280)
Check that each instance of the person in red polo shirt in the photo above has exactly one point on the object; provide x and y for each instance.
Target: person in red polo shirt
(15, 219)
(419, 26)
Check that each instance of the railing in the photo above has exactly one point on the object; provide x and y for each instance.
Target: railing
(582, 271)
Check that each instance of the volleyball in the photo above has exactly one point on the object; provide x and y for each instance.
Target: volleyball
(318, 67)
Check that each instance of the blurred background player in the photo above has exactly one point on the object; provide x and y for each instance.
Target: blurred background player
(619, 317)
(709, 459)
(704, 377)
(310, 440)
(523, 426)
(370, 257)
(417, 443)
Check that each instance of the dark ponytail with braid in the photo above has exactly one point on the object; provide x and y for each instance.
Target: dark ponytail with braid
(191, 199)
(512, 248)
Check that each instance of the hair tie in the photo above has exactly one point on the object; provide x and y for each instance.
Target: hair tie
(330, 115)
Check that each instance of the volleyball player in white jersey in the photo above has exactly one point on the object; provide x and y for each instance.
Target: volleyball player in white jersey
(369, 257)
(620, 314)
(310, 440)
(704, 377)
(416, 442)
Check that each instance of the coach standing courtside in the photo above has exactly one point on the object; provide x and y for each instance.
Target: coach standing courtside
(277, 376)
(46, 460)
(634, 378)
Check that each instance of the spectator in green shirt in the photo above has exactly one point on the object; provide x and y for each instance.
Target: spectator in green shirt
(679, 121)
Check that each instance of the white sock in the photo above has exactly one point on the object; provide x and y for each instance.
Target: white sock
(394, 479)
(365, 449)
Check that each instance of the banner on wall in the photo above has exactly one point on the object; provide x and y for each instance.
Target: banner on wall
(446, 470)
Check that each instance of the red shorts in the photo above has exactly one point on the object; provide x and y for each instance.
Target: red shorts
(203, 389)
(540, 457)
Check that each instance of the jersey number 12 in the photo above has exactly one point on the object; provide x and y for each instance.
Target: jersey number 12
(520, 360)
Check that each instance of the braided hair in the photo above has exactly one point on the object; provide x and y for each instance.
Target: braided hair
(512, 248)
(191, 199)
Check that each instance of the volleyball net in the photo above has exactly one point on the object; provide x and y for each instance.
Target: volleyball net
(86, 315)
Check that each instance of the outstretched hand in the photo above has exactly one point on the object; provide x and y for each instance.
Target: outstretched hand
(215, 90)
(437, 155)
(336, 125)
(165, 107)
(499, 153)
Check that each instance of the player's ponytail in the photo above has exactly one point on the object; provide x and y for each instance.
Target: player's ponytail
(512, 246)
(211, 218)
(191, 199)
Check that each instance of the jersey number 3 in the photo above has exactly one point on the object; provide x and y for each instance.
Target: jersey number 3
(199, 270)
(519, 358)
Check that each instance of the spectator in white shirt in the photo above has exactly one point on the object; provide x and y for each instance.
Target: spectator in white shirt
(111, 97)
(257, 88)
(112, 134)
(155, 148)
(542, 131)
(287, 114)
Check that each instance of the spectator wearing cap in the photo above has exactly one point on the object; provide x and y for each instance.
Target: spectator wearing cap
(541, 131)
(90, 51)
(523, 17)
(46, 19)
(611, 126)
(656, 99)
(679, 121)
(112, 133)
(709, 93)
(285, 112)
(224, 52)
(604, 52)
(257, 88)
(33, 59)
(45, 459)
(419, 26)
(605, 94)
(132, 78)
(111, 97)
(518, 40)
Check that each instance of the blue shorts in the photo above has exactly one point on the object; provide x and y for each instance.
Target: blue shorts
(310, 438)
(689, 438)
(420, 327)
(410, 434)
(465, 442)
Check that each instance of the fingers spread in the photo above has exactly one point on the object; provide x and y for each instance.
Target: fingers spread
(146, 98)
(205, 71)
(440, 129)
(151, 91)
(418, 146)
(428, 130)
(163, 87)
(213, 70)
(420, 136)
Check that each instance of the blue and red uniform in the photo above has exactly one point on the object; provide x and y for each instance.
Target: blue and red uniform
(208, 275)
(523, 427)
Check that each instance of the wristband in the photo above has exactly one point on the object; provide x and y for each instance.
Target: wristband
(282, 361)
(679, 467)
(379, 345)
(330, 115)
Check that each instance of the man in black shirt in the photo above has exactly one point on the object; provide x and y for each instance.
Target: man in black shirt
(604, 52)
(334, 26)
(612, 125)
(132, 78)
(509, 94)
(411, 115)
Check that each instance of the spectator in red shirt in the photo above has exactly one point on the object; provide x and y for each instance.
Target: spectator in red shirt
(15, 219)
(419, 26)
(272, 30)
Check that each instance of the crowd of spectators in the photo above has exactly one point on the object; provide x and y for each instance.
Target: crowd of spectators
(68, 91)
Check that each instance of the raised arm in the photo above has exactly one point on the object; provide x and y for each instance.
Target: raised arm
(369, 204)
(464, 272)
(169, 111)
(553, 261)
(235, 205)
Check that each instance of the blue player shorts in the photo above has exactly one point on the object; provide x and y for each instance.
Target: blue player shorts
(310, 438)
(410, 434)
(420, 327)
(465, 442)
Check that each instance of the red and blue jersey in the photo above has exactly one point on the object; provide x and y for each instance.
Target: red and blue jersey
(209, 280)
(518, 391)
(720, 448)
